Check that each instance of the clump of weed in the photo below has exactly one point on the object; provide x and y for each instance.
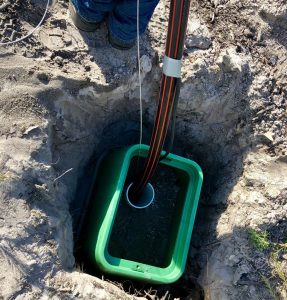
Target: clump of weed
(259, 239)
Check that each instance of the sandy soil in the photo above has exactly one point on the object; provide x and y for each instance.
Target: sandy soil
(67, 96)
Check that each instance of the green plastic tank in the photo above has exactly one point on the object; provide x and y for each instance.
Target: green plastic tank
(104, 199)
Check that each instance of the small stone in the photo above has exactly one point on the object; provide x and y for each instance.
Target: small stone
(146, 64)
(59, 60)
(87, 68)
(67, 41)
(273, 192)
(248, 33)
(43, 77)
(273, 60)
(231, 61)
(267, 137)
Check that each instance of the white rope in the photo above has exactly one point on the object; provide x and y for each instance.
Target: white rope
(32, 31)
(139, 73)
(57, 178)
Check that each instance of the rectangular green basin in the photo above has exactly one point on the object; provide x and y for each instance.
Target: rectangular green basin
(104, 201)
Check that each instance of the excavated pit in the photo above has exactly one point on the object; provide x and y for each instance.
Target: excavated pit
(88, 123)
(218, 175)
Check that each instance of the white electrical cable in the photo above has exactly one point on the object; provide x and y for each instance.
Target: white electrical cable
(139, 73)
(32, 31)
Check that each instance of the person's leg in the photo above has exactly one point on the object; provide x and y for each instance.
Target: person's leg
(87, 13)
(122, 21)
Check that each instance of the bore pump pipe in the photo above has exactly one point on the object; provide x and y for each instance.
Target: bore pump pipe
(169, 92)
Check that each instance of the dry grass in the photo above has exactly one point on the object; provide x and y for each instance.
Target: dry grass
(269, 287)
(4, 177)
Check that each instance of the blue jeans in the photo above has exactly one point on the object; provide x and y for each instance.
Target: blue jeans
(121, 14)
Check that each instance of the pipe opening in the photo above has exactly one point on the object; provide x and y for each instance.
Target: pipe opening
(145, 198)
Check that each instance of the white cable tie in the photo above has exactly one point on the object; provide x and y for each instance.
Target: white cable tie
(171, 67)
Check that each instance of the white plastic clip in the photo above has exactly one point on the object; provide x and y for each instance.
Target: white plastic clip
(172, 67)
